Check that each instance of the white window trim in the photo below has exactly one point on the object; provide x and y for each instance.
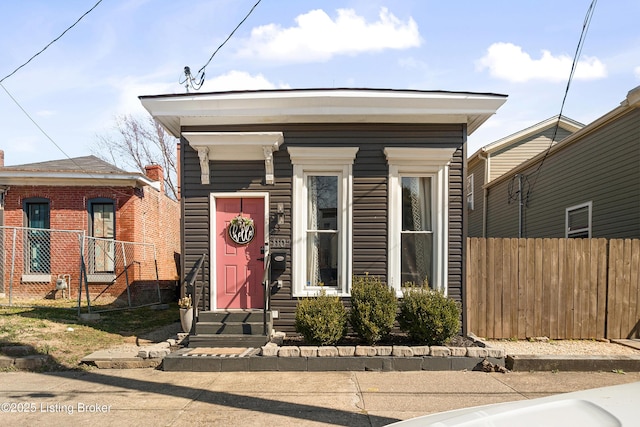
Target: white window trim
(470, 193)
(316, 161)
(213, 303)
(589, 205)
(423, 162)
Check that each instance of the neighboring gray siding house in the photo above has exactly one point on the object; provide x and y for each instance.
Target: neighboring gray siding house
(337, 182)
(494, 160)
(588, 185)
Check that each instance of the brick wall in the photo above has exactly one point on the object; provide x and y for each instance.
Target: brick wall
(142, 215)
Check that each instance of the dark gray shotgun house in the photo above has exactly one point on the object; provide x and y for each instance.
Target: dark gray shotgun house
(287, 192)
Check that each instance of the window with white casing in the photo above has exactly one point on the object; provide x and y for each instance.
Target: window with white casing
(418, 216)
(578, 221)
(322, 219)
(470, 184)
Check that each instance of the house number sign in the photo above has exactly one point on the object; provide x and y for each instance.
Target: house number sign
(241, 230)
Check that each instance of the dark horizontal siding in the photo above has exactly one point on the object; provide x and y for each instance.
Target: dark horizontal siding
(370, 193)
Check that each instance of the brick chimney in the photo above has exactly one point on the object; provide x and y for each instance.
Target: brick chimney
(155, 173)
(1, 158)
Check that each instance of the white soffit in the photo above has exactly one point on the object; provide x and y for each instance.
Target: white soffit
(322, 106)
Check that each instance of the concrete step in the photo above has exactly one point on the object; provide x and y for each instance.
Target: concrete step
(228, 340)
(248, 316)
(253, 328)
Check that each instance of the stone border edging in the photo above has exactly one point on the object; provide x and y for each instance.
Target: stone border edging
(272, 349)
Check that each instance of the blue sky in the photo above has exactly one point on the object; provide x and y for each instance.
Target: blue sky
(127, 48)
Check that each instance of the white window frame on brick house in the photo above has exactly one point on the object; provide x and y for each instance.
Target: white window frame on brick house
(470, 193)
(321, 161)
(573, 233)
(96, 244)
(419, 162)
(33, 235)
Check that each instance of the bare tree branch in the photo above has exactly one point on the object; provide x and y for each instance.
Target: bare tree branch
(134, 143)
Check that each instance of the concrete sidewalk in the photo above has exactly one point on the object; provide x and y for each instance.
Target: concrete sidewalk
(148, 397)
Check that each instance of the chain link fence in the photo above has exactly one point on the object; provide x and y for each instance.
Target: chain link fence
(101, 274)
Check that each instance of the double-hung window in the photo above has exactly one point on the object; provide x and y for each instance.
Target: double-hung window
(101, 245)
(416, 235)
(418, 216)
(578, 221)
(321, 228)
(323, 233)
(38, 238)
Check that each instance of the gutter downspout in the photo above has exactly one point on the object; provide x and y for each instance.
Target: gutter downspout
(485, 191)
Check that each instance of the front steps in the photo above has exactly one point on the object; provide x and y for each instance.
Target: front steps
(241, 328)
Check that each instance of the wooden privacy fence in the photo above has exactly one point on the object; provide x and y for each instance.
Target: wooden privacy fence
(558, 288)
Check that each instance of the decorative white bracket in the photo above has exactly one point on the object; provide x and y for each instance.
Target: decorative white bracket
(235, 146)
(203, 154)
(268, 164)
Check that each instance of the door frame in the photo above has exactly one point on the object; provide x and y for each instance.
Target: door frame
(213, 268)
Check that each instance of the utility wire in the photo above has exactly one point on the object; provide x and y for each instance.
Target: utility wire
(36, 124)
(91, 174)
(201, 74)
(583, 35)
(52, 42)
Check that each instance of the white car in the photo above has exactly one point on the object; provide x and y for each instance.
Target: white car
(607, 406)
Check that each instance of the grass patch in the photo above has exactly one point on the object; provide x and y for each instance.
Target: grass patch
(56, 330)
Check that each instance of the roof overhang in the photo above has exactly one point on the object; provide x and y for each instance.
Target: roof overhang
(57, 179)
(562, 121)
(322, 106)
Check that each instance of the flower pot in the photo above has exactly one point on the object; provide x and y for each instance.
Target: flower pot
(186, 319)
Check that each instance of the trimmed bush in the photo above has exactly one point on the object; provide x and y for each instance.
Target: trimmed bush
(428, 316)
(321, 320)
(373, 308)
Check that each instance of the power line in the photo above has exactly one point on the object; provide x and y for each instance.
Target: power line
(583, 35)
(197, 81)
(52, 42)
(36, 123)
(26, 113)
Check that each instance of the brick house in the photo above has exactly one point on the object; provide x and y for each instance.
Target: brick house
(101, 202)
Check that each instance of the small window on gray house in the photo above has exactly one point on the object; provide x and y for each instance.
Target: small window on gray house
(470, 184)
(578, 221)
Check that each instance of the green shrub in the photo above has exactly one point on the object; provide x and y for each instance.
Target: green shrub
(373, 308)
(428, 316)
(321, 320)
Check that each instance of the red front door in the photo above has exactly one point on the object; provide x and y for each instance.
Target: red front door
(239, 267)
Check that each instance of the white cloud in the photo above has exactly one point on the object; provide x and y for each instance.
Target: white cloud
(131, 87)
(636, 71)
(318, 37)
(46, 113)
(239, 80)
(509, 62)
